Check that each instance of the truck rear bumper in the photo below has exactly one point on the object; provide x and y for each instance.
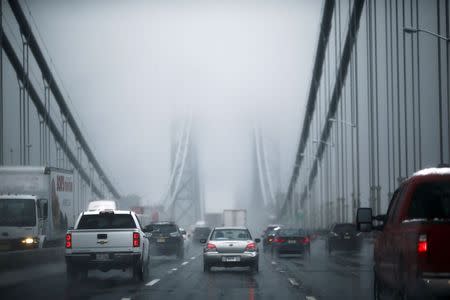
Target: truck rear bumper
(104, 260)
(435, 284)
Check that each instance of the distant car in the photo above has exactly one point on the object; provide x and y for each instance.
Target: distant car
(230, 247)
(201, 233)
(268, 236)
(412, 247)
(343, 236)
(291, 241)
(166, 239)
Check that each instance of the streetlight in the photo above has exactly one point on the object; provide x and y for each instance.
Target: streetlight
(343, 122)
(416, 30)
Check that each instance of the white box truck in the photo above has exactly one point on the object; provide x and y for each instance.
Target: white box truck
(36, 206)
(234, 217)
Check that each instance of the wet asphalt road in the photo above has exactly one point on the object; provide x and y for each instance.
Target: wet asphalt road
(341, 275)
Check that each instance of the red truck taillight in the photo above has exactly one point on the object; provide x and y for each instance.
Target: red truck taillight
(422, 244)
(68, 241)
(136, 239)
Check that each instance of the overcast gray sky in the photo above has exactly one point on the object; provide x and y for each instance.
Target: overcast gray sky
(130, 67)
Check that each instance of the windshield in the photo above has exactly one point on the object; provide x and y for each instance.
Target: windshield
(291, 232)
(431, 200)
(339, 228)
(17, 212)
(163, 228)
(223, 115)
(106, 221)
(230, 235)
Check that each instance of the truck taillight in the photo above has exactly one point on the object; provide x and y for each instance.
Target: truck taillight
(136, 239)
(422, 244)
(68, 241)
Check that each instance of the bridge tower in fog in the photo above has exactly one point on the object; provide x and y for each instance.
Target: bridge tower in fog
(265, 179)
(183, 200)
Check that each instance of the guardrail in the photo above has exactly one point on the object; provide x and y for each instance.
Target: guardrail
(13, 260)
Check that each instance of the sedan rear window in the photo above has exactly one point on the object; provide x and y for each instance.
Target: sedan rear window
(231, 235)
(106, 221)
(292, 232)
(431, 200)
(163, 228)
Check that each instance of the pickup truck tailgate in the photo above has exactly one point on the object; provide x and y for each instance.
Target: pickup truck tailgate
(439, 255)
(102, 240)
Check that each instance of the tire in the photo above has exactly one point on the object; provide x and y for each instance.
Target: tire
(72, 272)
(180, 253)
(255, 267)
(206, 267)
(138, 271)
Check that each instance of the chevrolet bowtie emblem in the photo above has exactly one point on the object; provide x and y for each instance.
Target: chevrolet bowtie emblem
(102, 242)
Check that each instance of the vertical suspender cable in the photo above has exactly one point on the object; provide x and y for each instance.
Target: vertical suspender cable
(388, 111)
(377, 129)
(413, 92)
(419, 121)
(405, 102)
(398, 93)
(1, 85)
(391, 44)
(448, 78)
(441, 130)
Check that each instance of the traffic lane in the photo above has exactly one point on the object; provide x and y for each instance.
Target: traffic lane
(189, 281)
(323, 276)
(51, 282)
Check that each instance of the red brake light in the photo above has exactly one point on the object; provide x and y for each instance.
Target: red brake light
(251, 247)
(306, 240)
(279, 240)
(136, 239)
(422, 245)
(68, 241)
(211, 247)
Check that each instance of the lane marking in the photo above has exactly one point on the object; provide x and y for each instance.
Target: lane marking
(125, 299)
(153, 282)
(293, 281)
(310, 298)
(174, 269)
(193, 257)
(274, 262)
(185, 263)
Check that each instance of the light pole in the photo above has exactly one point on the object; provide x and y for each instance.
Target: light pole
(416, 30)
(412, 30)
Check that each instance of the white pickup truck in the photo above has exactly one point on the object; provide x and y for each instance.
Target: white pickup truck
(105, 240)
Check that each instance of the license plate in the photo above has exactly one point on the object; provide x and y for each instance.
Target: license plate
(161, 240)
(292, 241)
(102, 256)
(231, 258)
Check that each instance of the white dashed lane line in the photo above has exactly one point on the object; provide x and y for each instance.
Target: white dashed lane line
(274, 263)
(153, 282)
(293, 281)
(125, 299)
(185, 263)
(193, 257)
(174, 269)
(310, 298)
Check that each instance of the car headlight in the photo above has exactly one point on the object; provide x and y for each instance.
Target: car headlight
(30, 241)
(334, 233)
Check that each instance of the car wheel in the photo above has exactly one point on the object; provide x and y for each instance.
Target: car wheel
(71, 271)
(180, 253)
(206, 267)
(138, 271)
(255, 267)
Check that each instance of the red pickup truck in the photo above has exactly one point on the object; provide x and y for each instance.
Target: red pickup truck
(412, 248)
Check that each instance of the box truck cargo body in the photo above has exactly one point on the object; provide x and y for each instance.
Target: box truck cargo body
(36, 206)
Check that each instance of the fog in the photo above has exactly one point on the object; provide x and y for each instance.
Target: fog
(131, 68)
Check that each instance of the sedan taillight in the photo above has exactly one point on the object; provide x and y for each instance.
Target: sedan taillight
(251, 247)
(136, 239)
(279, 240)
(210, 247)
(306, 240)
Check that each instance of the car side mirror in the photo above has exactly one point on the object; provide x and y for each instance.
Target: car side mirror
(183, 231)
(364, 219)
(203, 241)
(257, 240)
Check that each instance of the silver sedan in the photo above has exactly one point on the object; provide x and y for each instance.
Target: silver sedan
(230, 247)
